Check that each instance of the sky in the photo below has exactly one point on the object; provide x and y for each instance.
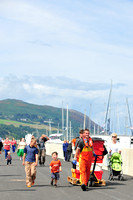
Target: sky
(68, 52)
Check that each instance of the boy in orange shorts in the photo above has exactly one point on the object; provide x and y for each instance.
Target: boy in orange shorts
(55, 167)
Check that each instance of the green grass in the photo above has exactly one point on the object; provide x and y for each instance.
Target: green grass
(17, 124)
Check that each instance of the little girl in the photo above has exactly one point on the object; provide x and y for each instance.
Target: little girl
(9, 158)
(20, 148)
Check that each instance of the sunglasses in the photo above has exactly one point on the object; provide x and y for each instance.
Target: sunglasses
(113, 136)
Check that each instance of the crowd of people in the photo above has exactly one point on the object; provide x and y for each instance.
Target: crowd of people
(30, 152)
(79, 150)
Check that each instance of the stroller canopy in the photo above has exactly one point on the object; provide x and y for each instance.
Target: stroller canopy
(116, 162)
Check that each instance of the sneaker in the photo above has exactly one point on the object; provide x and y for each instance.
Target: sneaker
(28, 186)
(52, 182)
(55, 185)
(83, 186)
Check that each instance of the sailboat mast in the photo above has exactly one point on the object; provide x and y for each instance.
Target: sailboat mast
(90, 117)
(117, 119)
(63, 120)
(67, 123)
(84, 120)
(70, 132)
(108, 107)
(130, 121)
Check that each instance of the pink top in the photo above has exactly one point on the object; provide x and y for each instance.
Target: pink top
(7, 144)
(13, 142)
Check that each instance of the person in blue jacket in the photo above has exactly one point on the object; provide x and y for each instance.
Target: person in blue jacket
(65, 145)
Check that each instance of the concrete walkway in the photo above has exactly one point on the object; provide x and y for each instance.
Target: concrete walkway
(13, 187)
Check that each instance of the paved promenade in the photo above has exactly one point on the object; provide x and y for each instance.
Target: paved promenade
(13, 187)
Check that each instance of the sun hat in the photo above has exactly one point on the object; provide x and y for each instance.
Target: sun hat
(114, 135)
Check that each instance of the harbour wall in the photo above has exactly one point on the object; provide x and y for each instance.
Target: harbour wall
(127, 157)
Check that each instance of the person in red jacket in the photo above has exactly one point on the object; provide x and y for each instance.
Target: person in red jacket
(7, 144)
(13, 143)
(85, 152)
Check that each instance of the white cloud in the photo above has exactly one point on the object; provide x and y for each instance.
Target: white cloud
(60, 87)
(67, 91)
(50, 91)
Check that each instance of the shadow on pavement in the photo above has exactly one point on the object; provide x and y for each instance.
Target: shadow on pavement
(19, 190)
(108, 183)
(9, 175)
(41, 166)
(58, 186)
(41, 186)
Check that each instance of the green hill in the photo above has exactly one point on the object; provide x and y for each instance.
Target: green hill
(16, 115)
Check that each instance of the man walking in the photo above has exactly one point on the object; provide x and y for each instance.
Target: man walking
(85, 152)
(42, 149)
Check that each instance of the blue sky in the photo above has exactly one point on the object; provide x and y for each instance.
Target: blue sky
(62, 50)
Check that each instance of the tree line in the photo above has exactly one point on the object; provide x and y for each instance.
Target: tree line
(18, 132)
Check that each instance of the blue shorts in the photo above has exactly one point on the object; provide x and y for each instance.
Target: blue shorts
(55, 175)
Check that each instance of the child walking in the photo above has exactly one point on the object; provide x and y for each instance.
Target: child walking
(55, 167)
(31, 158)
(20, 149)
(9, 158)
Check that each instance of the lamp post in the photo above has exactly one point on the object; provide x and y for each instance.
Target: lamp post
(49, 122)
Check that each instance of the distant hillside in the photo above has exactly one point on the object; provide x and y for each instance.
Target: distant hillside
(19, 111)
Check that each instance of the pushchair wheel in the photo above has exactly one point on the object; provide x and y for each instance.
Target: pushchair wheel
(120, 178)
(111, 178)
(91, 183)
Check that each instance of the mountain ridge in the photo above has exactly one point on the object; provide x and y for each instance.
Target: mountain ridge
(18, 110)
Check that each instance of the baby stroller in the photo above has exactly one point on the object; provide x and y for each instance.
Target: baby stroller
(115, 167)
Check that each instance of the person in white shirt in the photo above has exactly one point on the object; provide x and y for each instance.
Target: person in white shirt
(114, 146)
